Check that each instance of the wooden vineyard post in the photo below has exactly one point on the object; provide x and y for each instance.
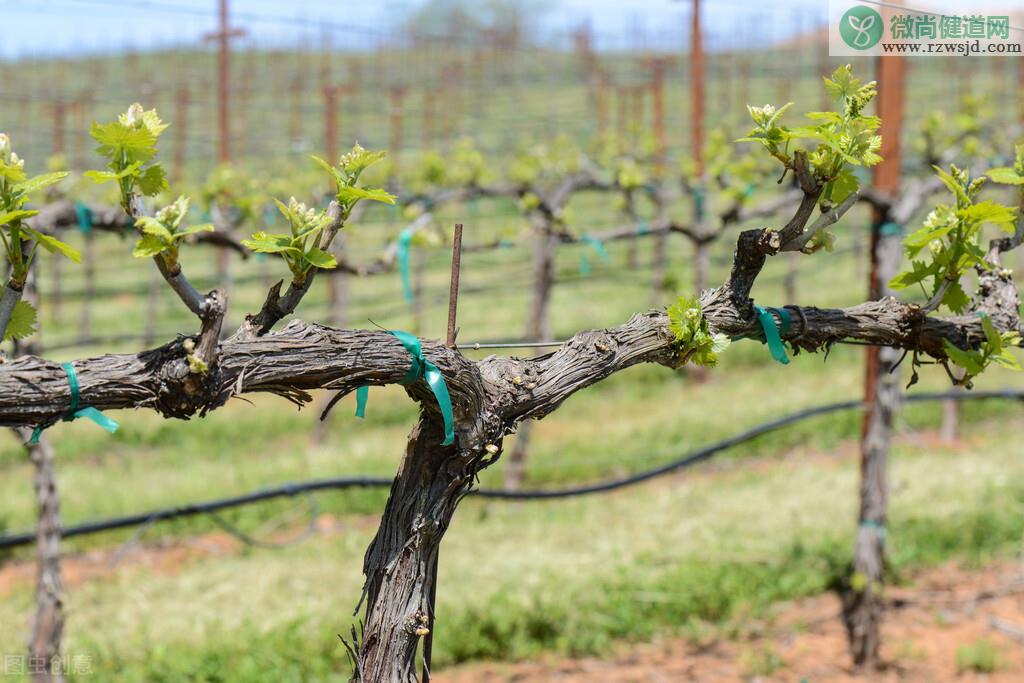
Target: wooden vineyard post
(427, 122)
(57, 262)
(621, 121)
(697, 90)
(658, 66)
(862, 601)
(181, 102)
(330, 93)
(296, 90)
(601, 97)
(636, 122)
(702, 249)
(337, 283)
(396, 117)
(223, 37)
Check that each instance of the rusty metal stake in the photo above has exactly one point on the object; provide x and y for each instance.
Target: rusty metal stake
(453, 292)
(453, 306)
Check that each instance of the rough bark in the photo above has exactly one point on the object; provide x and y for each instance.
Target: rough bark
(89, 279)
(44, 645)
(863, 601)
(401, 560)
(538, 327)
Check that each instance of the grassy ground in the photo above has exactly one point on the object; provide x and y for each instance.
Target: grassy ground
(694, 555)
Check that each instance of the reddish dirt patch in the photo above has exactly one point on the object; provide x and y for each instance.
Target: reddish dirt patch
(944, 609)
(166, 557)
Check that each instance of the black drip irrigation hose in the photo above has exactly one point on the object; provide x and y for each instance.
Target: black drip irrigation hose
(335, 483)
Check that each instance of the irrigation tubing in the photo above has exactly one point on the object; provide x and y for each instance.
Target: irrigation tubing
(336, 483)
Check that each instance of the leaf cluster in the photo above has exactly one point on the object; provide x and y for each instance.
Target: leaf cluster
(129, 146)
(693, 338)
(161, 234)
(346, 177)
(949, 242)
(16, 189)
(300, 248)
(834, 142)
(995, 349)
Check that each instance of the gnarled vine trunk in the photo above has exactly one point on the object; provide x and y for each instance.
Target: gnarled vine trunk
(863, 602)
(401, 560)
(538, 327)
(863, 599)
(48, 622)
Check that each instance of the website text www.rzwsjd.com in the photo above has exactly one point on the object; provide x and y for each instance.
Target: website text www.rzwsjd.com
(961, 48)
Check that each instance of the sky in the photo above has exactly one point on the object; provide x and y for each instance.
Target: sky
(67, 27)
(44, 27)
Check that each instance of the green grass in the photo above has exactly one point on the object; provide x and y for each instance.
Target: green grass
(981, 656)
(699, 555)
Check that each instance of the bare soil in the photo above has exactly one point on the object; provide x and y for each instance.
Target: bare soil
(945, 612)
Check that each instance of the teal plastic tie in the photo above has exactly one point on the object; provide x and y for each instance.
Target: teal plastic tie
(421, 368)
(74, 412)
(890, 229)
(595, 244)
(83, 214)
(877, 527)
(698, 203)
(771, 332)
(404, 242)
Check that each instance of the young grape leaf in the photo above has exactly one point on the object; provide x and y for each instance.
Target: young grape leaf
(1005, 176)
(956, 298)
(270, 244)
(53, 245)
(17, 214)
(22, 323)
(153, 180)
(151, 226)
(970, 361)
(320, 258)
(38, 183)
(149, 245)
(193, 229)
